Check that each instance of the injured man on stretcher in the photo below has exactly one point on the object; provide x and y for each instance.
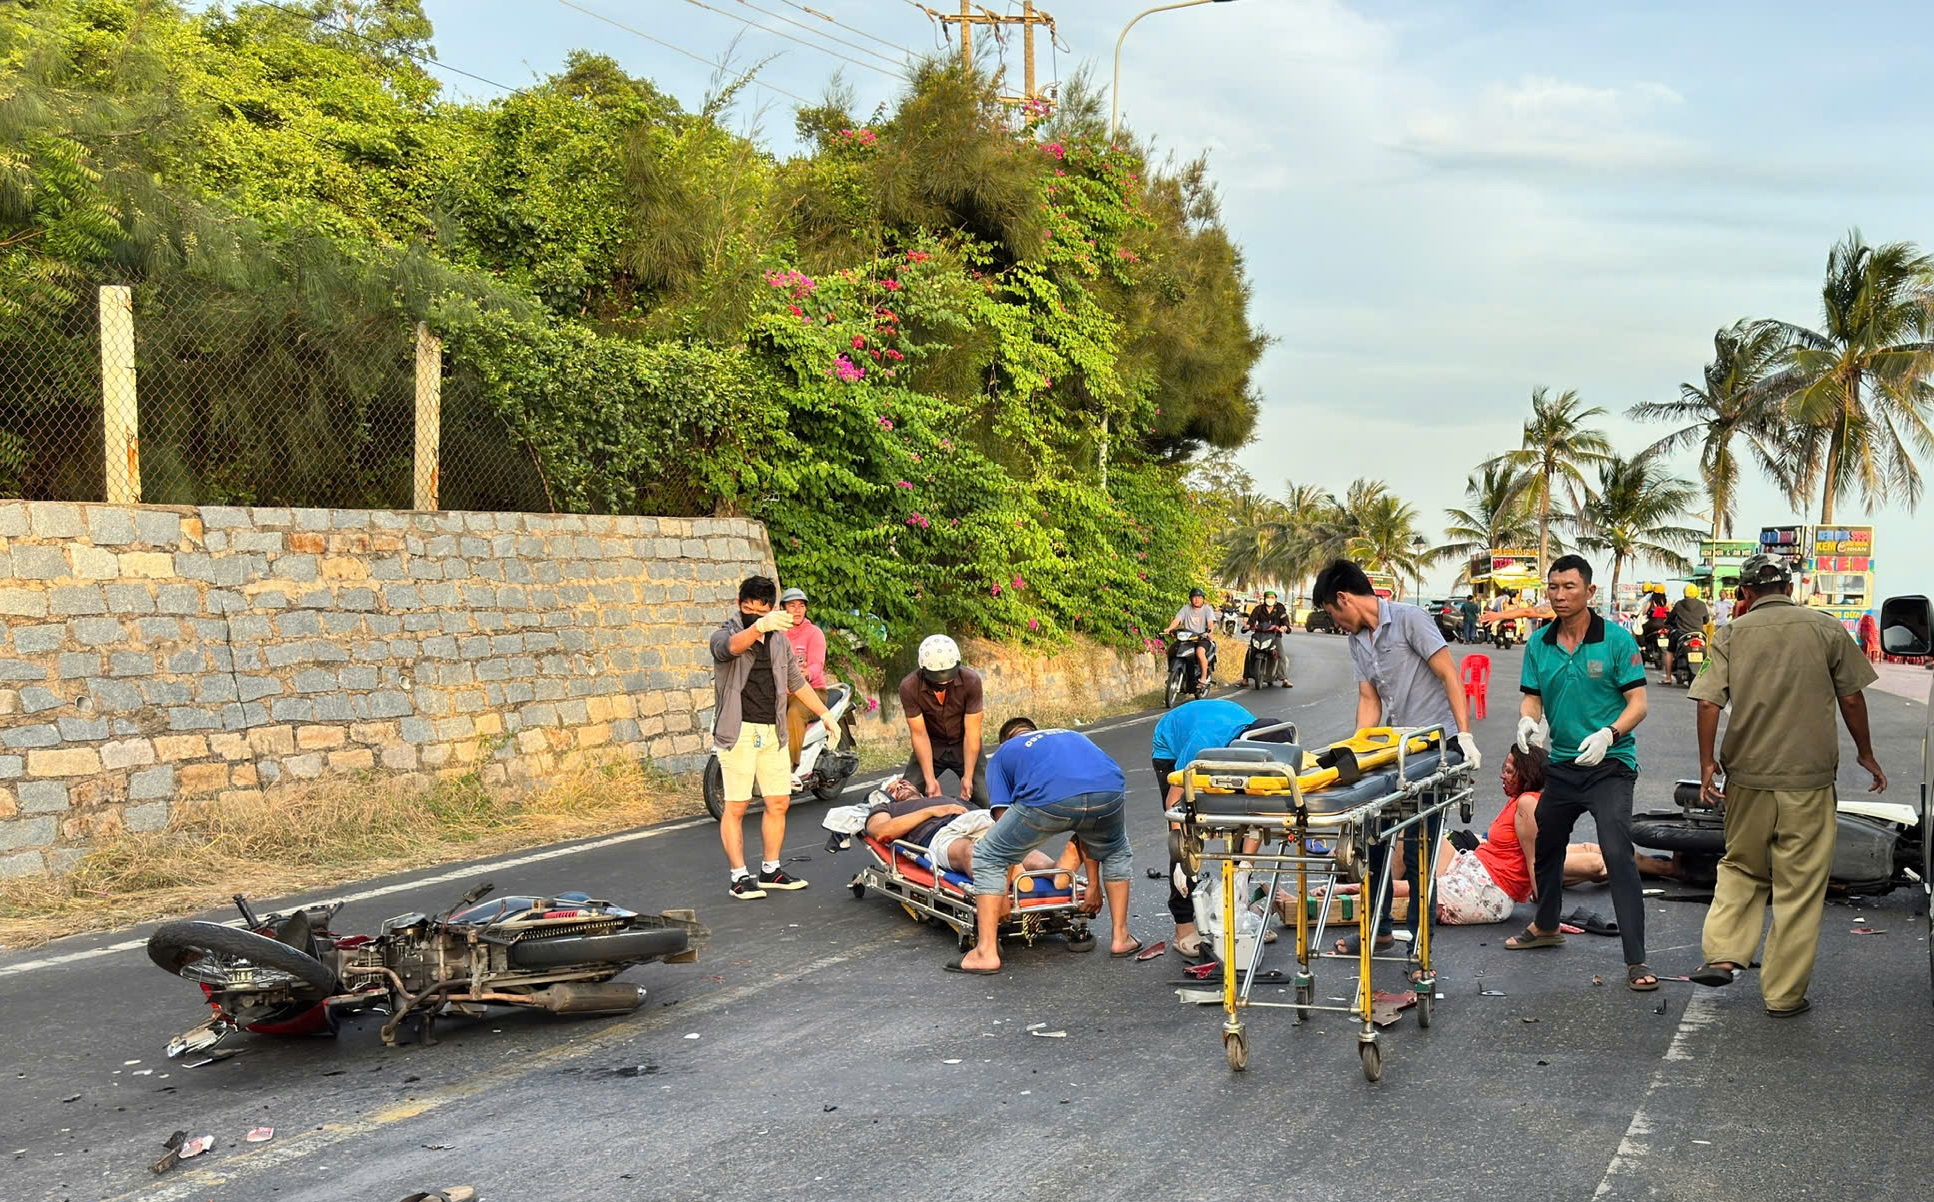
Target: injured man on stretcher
(1480, 880)
(949, 829)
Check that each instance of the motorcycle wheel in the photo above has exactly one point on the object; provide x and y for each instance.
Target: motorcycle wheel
(625, 947)
(714, 788)
(1679, 834)
(830, 793)
(209, 953)
(1173, 692)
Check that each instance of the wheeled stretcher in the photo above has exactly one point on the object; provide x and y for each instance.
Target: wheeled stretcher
(1368, 791)
(1046, 901)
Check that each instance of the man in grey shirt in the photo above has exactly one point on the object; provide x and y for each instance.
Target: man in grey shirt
(1197, 617)
(1405, 678)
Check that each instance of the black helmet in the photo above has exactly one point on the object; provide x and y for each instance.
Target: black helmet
(1761, 570)
(1196, 592)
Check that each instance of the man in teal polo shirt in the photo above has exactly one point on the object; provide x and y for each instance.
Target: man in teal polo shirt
(1584, 693)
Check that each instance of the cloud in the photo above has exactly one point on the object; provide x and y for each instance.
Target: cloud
(1544, 121)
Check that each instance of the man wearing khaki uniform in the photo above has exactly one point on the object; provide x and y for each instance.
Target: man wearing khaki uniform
(1784, 668)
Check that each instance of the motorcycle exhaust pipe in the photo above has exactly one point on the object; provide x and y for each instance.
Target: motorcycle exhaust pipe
(574, 997)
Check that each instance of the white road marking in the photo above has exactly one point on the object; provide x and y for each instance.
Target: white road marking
(1701, 1011)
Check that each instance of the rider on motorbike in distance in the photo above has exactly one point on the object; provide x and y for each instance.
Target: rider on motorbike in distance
(1689, 616)
(1268, 617)
(1197, 618)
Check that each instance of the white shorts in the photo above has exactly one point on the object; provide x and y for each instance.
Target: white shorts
(970, 826)
(756, 760)
(1467, 896)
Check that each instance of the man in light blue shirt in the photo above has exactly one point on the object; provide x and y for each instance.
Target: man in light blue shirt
(1179, 737)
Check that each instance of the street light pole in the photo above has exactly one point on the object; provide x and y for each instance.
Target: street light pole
(1114, 120)
(1114, 102)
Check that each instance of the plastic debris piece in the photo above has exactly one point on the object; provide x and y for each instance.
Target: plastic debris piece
(129, 1063)
(1527, 1019)
(1202, 972)
(1660, 1008)
(827, 1109)
(142, 1072)
(1049, 1034)
(260, 1135)
(1159, 947)
(950, 1062)
(196, 1146)
(1652, 892)
(1867, 931)
(1199, 997)
(693, 1035)
(1155, 874)
(1491, 993)
(73, 1098)
(1598, 980)
(1704, 1143)
(439, 1147)
(1035, 1026)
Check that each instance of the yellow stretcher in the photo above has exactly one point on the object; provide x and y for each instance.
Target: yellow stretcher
(1377, 785)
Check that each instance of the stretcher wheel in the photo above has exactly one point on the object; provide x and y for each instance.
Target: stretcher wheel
(1426, 1001)
(1305, 996)
(859, 890)
(1465, 811)
(1372, 1056)
(963, 941)
(1235, 1044)
(1081, 941)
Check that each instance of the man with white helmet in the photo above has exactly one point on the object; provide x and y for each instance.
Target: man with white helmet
(942, 704)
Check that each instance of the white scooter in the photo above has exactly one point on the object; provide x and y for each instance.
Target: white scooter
(826, 760)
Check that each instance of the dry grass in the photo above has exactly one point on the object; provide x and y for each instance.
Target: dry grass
(323, 835)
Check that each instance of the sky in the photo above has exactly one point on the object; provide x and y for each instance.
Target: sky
(1441, 204)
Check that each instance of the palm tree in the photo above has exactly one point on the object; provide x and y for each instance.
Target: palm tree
(1736, 399)
(1255, 524)
(1299, 549)
(1556, 448)
(1497, 514)
(1858, 386)
(1634, 512)
(1382, 533)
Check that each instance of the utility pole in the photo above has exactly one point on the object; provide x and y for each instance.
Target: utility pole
(1028, 21)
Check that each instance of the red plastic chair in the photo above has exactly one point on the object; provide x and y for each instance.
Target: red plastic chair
(1476, 674)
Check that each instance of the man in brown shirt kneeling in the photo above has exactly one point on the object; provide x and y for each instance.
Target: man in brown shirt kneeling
(1784, 668)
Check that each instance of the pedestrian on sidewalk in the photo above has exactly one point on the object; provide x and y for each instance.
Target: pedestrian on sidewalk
(753, 671)
(1583, 682)
(1784, 668)
(1054, 782)
(1405, 678)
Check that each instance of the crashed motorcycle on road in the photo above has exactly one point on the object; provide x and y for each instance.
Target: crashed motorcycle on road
(291, 975)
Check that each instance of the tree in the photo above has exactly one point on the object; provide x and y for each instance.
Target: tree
(1299, 550)
(1255, 524)
(1735, 399)
(1380, 532)
(1556, 448)
(1497, 514)
(1634, 512)
(1859, 385)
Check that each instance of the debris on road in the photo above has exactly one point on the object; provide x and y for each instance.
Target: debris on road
(635, 1070)
(260, 1135)
(693, 1035)
(950, 1062)
(1047, 1034)
(1386, 1007)
(1155, 874)
(172, 1146)
(196, 1146)
(827, 1109)
(1598, 980)
(1491, 993)
(1866, 931)
(1527, 1019)
(1159, 947)
(214, 1057)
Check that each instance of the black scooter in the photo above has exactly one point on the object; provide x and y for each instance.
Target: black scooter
(1263, 665)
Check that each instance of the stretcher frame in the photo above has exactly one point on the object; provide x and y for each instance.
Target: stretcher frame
(1410, 805)
(1030, 919)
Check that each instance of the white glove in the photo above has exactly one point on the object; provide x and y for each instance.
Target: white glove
(1467, 743)
(1596, 744)
(1532, 730)
(778, 619)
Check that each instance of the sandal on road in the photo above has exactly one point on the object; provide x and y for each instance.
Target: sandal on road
(1640, 979)
(1716, 974)
(957, 965)
(1352, 945)
(1527, 939)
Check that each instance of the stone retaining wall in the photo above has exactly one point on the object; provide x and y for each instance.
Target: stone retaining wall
(158, 653)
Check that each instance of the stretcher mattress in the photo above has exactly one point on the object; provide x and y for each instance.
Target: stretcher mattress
(919, 870)
(1334, 800)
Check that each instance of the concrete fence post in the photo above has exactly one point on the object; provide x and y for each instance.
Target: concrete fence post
(429, 415)
(120, 417)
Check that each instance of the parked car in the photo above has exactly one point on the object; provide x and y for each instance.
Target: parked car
(1318, 620)
(1907, 629)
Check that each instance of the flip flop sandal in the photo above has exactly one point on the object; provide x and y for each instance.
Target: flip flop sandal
(955, 965)
(1640, 979)
(1133, 951)
(1352, 945)
(1527, 939)
(1595, 924)
(1790, 1011)
(1714, 975)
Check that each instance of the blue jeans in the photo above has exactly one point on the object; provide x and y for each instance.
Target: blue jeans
(1099, 820)
(1470, 628)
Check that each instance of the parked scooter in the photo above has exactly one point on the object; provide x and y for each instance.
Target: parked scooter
(826, 760)
(1505, 634)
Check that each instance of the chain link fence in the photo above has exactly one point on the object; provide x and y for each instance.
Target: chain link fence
(189, 392)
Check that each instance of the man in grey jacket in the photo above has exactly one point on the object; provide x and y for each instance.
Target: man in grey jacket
(754, 670)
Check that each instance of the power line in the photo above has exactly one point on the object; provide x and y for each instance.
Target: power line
(843, 25)
(780, 34)
(836, 40)
(757, 83)
(425, 60)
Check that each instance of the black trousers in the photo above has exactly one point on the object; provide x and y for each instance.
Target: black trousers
(1181, 907)
(949, 759)
(1604, 791)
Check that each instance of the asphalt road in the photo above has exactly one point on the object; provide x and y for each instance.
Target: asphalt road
(819, 1052)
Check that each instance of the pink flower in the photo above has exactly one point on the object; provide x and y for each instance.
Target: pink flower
(892, 285)
(859, 342)
(903, 484)
(848, 371)
(1019, 584)
(996, 590)
(1056, 149)
(894, 355)
(872, 704)
(918, 256)
(1033, 624)
(918, 520)
(886, 423)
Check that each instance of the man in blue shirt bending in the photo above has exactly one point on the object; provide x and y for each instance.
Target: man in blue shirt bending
(1179, 737)
(1054, 782)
